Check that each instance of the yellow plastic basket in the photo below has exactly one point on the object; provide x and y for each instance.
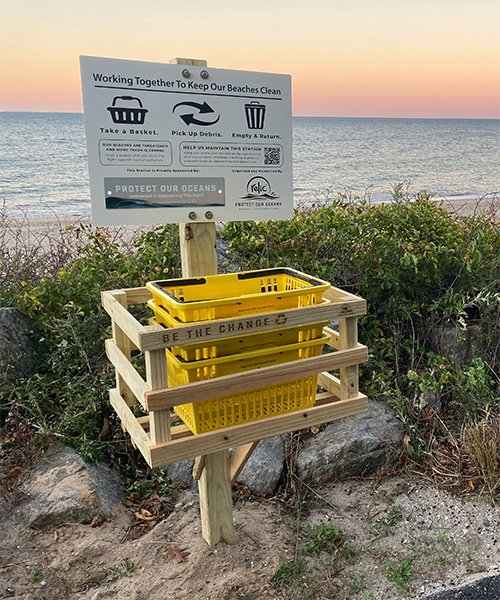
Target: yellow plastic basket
(241, 343)
(234, 294)
(253, 405)
(256, 404)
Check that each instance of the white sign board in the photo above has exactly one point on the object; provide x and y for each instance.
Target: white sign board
(169, 143)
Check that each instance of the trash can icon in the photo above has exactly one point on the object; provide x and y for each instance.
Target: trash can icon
(255, 113)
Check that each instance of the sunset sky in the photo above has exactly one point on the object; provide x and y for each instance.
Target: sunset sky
(359, 58)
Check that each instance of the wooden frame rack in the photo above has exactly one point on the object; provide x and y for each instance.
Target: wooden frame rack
(161, 444)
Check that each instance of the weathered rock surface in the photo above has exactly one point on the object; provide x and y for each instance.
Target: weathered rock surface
(16, 345)
(264, 467)
(65, 489)
(459, 345)
(181, 471)
(356, 445)
(261, 473)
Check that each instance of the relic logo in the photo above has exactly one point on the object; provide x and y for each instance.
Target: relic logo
(258, 188)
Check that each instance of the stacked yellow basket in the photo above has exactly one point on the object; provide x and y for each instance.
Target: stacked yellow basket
(181, 301)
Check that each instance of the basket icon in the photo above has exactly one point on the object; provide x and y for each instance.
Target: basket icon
(128, 114)
(255, 113)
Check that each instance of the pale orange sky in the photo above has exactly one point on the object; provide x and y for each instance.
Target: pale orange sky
(364, 58)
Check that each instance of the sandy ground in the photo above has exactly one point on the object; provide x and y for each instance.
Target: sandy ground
(446, 540)
(43, 230)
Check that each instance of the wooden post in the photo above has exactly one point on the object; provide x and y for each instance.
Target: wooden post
(123, 342)
(198, 258)
(348, 337)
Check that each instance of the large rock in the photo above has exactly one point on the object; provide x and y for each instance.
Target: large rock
(264, 467)
(17, 349)
(181, 471)
(261, 473)
(65, 489)
(356, 445)
(459, 345)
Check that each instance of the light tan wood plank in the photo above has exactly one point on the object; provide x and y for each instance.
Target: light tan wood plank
(334, 336)
(127, 323)
(198, 248)
(130, 423)
(138, 295)
(337, 295)
(199, 465)
(132, 378)
(213, 441)
(330, 383)
(156, 378)
(188, 61)
(239, 458)
(224, 328)
(125, 345)
(241, 382)
(348, 333)
(215, 499)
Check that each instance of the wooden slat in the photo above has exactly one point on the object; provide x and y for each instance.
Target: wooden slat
(199, 465)
(242, 382)
(334, 336)
(132, 378)
(348, 333)
(127, 323)
(238, 435)
(330, 383)
(224, 328)
(239, 458)
(337, 295)
(138, 295)
(130, 423)
(156, 378)
(125, 345)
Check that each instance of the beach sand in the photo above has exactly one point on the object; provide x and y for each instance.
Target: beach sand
(46, 230)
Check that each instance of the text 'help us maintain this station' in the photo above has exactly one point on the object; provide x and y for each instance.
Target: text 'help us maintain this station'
(173, 143)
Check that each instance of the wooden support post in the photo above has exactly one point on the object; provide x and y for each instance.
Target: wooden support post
(124, 344)
(156, 377)
(198, 258)
(348, 337)
(215, 499)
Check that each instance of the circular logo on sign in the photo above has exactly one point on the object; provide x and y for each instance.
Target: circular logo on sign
(259, 186)
(281, 319)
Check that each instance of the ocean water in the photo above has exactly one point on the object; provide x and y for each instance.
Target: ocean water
(43, 164)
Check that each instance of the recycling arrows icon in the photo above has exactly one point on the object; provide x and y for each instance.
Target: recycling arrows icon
(190, 119)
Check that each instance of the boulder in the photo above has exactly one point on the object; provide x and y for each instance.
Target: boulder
(181, 471)
(261, 472)
(65, 489)
(264, 467)
(356, 445)
(459, 345)
(17, 348)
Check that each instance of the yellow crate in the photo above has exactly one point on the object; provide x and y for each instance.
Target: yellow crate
(235, 294)
(241, 343)
(248, 406)
(253, 405)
